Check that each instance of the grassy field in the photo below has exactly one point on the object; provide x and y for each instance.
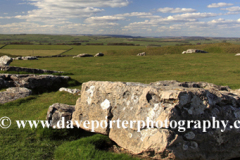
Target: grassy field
(104, 49)
(38, 47)
(23, 52)
(220, 67)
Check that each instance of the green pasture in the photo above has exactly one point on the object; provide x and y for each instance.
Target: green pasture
(93, 49)
(22, 52)
(220, 66)
(38, 47)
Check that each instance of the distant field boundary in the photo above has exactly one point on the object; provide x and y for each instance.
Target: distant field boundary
(3, 46)
(66, 51)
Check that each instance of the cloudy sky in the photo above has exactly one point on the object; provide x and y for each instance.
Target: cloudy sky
(126, 17)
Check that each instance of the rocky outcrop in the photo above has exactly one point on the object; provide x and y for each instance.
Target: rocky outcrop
(26, 58)
(5, 60)
(32, 81)
(238, 54)
(193, 51)
(159, 103)
(29, 70)
(141, 54)
(99, 55)
(14, 93)
(57, 111)
(83, 55)
(71, 91)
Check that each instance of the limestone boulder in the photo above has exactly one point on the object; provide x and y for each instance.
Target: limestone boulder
(193, 51)
(141, 54)
(57, 111)
(14, 93)
(120, 104)
(238, 54)
(83, 55)
(71, 91)
(5, 60)
(32, 81)
(99, 55)
(29, 58)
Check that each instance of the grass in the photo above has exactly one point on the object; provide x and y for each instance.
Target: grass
(220, 67)
(23, 52)
(38, 47)
(41, 143)
(96, 49)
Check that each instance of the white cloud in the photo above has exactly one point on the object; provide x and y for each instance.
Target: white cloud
(134, 14)
(65, 9)
(232, 9)
(162, 22)
(6, 17)
(103, 19)
(176, 10)
(217, 5)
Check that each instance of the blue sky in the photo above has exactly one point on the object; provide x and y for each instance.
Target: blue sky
(126, 17)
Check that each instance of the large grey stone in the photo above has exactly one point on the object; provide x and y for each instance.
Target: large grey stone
(5, 60)
(194, 51)
(14, 93)
(71, 91)
(99, 55)
(57, 111)
(141, 54)
(83, 55)
(160, 101)
(31, 81)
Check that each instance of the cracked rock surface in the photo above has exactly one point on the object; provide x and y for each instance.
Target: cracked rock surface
(14, 93)
(31, 81)
(160, 101)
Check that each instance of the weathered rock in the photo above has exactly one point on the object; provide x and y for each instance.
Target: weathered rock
(238, 54)
(99, 55)
(31, 81)
(193, 51)
(57, 111)
(83, 55)
(29, 70)
(160, 101)
(30, 58)
(72, 91)
(141, 54)
(17, 58)
(5, 60)
(14, 93)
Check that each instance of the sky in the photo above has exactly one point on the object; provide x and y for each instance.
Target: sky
(153, 18)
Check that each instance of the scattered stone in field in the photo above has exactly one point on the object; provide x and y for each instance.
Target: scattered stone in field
(99, 55)
(30, 58)
(238, 54)
(14, 93)
(32, 81)
(141, 54)
(17, 58)
(193, 51)
(57, 111)
(160, 101)
(5, 60)
(83, 55)
(29, 70)
(72, 91)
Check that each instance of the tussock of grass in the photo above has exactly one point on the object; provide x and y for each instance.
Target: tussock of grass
(90, 148)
